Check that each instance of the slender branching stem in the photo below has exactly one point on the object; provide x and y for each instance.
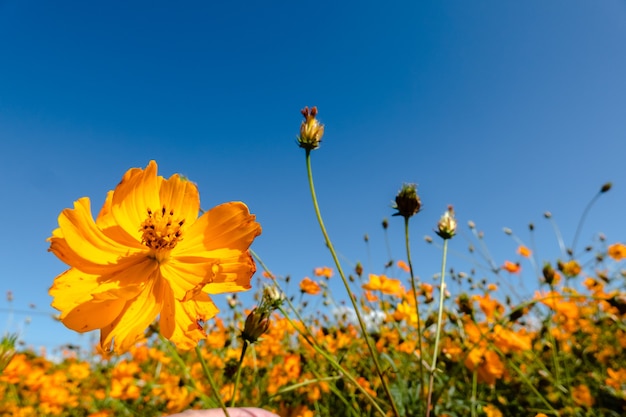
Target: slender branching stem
(329, 244)
(442, 290)
(244, 347)
(417, 309)
(207, 373)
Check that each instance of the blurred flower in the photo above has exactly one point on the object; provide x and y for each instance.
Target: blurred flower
(324, 271)
(570, 268)
(311, 130)
(403, 266)
(407, 201)
(385, 285)
(524, 251)
(582, 395)
(307, 285)
(617, 251)
(511, 267)
(492, 411)
(446, 228)
(148, 254)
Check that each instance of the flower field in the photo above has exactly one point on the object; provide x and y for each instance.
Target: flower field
(400, 346)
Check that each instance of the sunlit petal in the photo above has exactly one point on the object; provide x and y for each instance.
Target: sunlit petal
(229, 226)
(137, 314)
(181, 322)
(135, 194)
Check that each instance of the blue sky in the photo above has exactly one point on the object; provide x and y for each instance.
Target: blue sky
(503, 109)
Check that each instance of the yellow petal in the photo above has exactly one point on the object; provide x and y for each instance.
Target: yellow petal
(71, 289)
(135, 317)
(134, 195)
(92, 315)
(180, 196)
(232, 275)
(187, 274)
(180, 322)
(107, 223)
(81, 244)
(220, 231)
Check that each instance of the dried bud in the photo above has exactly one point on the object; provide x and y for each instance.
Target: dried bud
(606, 187)
(311, 130)
(446, 228)
(547, 215)
(548, 274)
(358, 269)
(507, 231)
(385, 224)
(257, 323)
(407, 201)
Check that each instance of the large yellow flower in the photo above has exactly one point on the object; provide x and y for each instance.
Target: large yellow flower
(148, 254)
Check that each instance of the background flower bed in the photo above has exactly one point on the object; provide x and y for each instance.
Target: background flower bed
(560, 352)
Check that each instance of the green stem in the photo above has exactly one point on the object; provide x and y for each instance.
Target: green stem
(178, 359)
(474, 388)
(345, 283)
(417, 310)
(344, 372)
(442, 290)
(209, 376)
(244, 347)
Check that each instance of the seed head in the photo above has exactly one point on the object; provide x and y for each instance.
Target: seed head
(407, 201)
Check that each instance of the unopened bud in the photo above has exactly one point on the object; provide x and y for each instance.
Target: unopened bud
(446, 228)
(548, 274)
(272, 297)
(311, 130)
(606, 187)
(257, 323)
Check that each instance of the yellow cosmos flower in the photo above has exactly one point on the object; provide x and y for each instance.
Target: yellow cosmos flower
(148, 254)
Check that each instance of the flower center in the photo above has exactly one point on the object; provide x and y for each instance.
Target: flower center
(161, 230)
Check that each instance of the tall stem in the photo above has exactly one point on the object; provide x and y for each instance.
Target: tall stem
(244, 347)
(347, 286)
(207, 373)
(442, 290)
(417, 310)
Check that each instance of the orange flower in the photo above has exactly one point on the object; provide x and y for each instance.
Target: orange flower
(617, 251)
(513, 268)
(492, 411)
(385, 285)
(524, 251)
(403, 266)
(582, 395)
(570, 268)
(148, 254)
(309, 286)
(323, 272)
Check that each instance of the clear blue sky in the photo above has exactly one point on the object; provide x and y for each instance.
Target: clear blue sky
(504, 109)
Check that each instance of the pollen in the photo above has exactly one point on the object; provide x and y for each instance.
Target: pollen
(161, 230)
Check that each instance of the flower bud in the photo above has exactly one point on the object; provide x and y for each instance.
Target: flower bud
(273, 298)
(257, 323)
(446, 228)
(311, 130)
(548, 274)
(407, 201)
